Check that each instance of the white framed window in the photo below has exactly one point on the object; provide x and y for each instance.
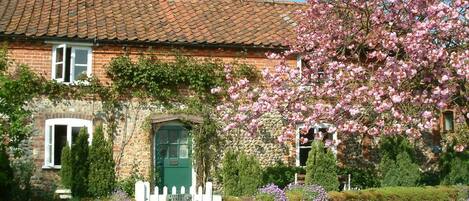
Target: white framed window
(71, 62)
(319, 131)
(318, 76)
(58, 134)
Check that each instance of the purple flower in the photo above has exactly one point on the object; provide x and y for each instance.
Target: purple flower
(316, 191)
(272, 189)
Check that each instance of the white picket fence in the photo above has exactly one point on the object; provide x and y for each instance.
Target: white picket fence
(142, 193)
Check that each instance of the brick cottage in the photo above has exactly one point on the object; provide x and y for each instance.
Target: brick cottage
(62, 39)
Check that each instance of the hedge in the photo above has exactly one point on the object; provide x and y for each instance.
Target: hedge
(427, 193)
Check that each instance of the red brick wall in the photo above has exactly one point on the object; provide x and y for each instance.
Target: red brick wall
(38, 55)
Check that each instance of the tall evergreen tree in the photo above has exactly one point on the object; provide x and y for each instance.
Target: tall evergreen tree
(321, 167)
(101, 178)
(80, 165)
(66, 167)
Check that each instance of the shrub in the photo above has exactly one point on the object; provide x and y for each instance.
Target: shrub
(66, 167)
(80, 166)
(459, 172)
(361, 177)
(127, 185)
(241, 174)
(101, 177)
(6, 176)
(399, 173)
(23, 169)
(265, 197)
(306, 192)
(401, 193)
(119, 195)
(321, 167)
(279, 174)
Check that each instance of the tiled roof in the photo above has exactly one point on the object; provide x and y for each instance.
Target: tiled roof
(229, 22)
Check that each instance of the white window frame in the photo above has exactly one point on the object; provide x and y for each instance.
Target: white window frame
(73, 47)
(316, 129)
(49, 141)
(299, 65)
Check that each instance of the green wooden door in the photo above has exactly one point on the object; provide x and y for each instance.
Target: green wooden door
(173, 157)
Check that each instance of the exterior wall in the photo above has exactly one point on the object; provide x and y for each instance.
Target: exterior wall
(132, 145)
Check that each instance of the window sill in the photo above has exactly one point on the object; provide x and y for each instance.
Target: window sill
(51, 167)
(74, 83)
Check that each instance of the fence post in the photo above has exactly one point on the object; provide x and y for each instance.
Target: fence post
(156, 194)
(165, 193)
(200, 194)
(208, 191)
(183, 190)
(142, 191)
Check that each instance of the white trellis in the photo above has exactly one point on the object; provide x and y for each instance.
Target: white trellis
(142, 193)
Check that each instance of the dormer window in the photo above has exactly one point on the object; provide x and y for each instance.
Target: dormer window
(448, 121)
(70, 63)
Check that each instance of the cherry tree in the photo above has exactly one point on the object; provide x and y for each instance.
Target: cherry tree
(378, 67)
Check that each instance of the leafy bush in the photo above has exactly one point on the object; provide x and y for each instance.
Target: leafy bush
(66, 167)
(321, 167)
(241, 174)
(402, 193)
(454, 167)
(101, 175)
(305, 192)
(80, 165)
(279, 174)
(23, 169)
(127, 185)
(361, 177)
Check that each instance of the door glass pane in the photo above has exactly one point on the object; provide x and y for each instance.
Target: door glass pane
(173, 136)
(163, 137)
(183, 151)
(79, 72)
(60, 137)
(81, 56)
(173, 151)
(58, 71)
(50, 145)
(163, 151)
(59, 54)
(75, 132)
(183, 139)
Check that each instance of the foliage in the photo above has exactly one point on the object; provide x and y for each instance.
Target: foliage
(454, 167)
(370, 68)
(80, 165)
(321, 167)
(264, 197)
(274, 191)
(6, 176)
(101, 177)
(127, 185)
(66, 167)
(207, 146)
(362, 178)
(240, 174)
(427, 193)
(23, 169)
(306, 192)
(397, 168)
(119, 195)
(279, 174)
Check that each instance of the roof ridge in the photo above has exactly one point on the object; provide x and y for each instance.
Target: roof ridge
(284, 2)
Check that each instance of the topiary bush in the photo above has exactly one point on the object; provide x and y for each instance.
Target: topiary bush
(80, 165)
(101, 177)
(241, 174)
(66, 167)
(321, 167)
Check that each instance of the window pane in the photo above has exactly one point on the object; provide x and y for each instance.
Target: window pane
(163, 136)
(304, 155)
(75, 132)
(68, 55)
(59, 54)
(173, 151)
(173, 136)
(60, 140)
(309, 136)
(449, 120)
(49, 145)
(162, 152)
(81, 56)
(183, 139)
(183, 151)
(58, 71)
(79, 72)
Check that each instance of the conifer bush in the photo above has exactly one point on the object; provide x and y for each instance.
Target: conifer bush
(80, 165)
(66, 167)
(101, 178)
(321, 167)
(241, 174)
